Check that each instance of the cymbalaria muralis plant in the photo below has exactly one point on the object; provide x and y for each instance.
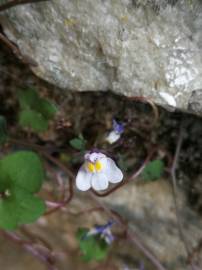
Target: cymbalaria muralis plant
(97, 171)
(23, 200)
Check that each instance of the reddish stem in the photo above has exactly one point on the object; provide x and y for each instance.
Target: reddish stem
(129, 179)
(45, 257)
(131, 234)
(154, 108)
(59, 204)
(14, 3)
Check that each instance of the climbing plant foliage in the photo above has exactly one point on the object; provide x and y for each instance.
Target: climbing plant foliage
(21, 176)
(93, 247)
(78, 143)
(153, 170)
(35, 112)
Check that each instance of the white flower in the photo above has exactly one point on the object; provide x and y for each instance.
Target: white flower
(112, 137)
(115, 134)
(97, 171)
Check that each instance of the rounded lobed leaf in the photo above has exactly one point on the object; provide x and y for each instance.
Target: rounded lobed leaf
(46, 108)
(33, 119)
(78, 143)
(92, 247)
(19, 207)
(28, 98)
(153, 170)
(35, 111)
(22, 169)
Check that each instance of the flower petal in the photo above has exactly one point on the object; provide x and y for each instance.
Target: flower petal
(83, 179)
(114, 174)
(99, 181)
(93, 156)
(112, 137)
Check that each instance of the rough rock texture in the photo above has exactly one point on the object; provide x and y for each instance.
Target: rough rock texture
(127, 46)
(151, 210)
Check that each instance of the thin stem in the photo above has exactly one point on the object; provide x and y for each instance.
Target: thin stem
(194, 254)
(131, 235)
(174, 182)
(24, 58)
(46, 258)
(40, 149)
(89, 210)
(175, 188)
(8, 43)
(13, 3)
(129, 179)
(145, 250)
(154, 108)
(35, 238)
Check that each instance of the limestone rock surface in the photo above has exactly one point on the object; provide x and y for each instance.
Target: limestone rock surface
(131, 47)
(151, 210)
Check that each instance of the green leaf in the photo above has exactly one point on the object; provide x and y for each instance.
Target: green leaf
(46, 108)
(92, 247)
(33, 119)
(81, 233)
(29, 207)
(78, 143)
(28, 98)
(21, 175)
(3, 130)
(19, 208)
(153, 170)
(22, 169)
(35, 111)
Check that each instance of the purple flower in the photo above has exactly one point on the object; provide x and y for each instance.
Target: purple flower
(103, 230)
(115, 134)
(117, 127)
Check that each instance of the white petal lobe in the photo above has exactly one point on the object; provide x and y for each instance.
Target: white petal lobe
(83, 179)
(113, 137)
(99, 181)
(114, 174)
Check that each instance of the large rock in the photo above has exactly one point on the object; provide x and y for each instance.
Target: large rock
(152, 214)
(134, 48)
